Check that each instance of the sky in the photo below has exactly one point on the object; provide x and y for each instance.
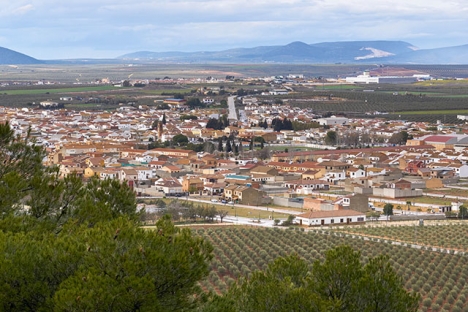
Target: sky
(66, 29)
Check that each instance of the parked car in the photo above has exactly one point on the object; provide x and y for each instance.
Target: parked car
(214, 200)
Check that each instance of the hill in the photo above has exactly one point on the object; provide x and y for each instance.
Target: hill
(10, 57)
(348, 52)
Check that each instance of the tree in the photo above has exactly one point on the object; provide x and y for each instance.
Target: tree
(228, 146)
(337, 276)
(462, 212)
(399, 138)
(154, 125)
(331, 138)
(384, 289)
(208, 147)
(339, 283)
(220, 145)
(388, 209)
(113, 266)
(195, 102)
(21, 160)
(180, 139)
(222, 214)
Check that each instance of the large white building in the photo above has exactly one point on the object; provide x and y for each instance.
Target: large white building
(333, 120)
(368, 79)
(333, 217)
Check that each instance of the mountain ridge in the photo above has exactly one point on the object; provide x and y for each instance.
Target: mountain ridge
(296, 52)
(382, 51)
(10, 57)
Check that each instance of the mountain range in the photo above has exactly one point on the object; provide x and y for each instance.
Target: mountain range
(346, 52)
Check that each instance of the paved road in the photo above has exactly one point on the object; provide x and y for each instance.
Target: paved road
(261, 208)
(232, 109)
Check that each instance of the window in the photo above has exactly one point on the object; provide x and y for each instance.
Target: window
(341, 221)
(360, 219)
(332, 221)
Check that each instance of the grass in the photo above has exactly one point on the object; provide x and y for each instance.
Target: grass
(433, 83)
(59, 90)
(433, 112)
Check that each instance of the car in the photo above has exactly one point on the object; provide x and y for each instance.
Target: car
(224, 201)
(231, 202)
(214, 200)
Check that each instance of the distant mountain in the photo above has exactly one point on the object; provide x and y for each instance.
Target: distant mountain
(447, 55)
(10, 57)
(319, 53)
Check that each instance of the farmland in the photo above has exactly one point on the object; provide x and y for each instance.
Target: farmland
(423, 101)
(438, 276)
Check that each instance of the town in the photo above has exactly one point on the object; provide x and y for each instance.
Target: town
(260, 153)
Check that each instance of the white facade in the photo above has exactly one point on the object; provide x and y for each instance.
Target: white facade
(333, 217)
(333, 121)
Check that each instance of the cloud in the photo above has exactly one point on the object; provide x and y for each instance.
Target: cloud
(111, 26)
(23, 9)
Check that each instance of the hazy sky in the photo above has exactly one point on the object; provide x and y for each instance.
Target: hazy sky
(59, 29)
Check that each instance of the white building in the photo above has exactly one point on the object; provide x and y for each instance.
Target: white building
(366, 78)
(333, 120)
(331, 217)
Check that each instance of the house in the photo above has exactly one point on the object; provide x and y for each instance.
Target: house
(333, 217)
(169, 186)
(413, 166)
(208, 101)
(356, 202)
(171, 169)
(128, 174)
(192, 185)
(176, 104)
(264, 170)
(144, 173)
(401, 184)
(246, 195)
(374, 171)
(306, 187)
(214, 188)
(461, 170)
(101, 173)
(355, 173)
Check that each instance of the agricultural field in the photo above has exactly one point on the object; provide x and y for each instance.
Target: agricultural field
(438, 276)
(452, 236)
(423, 101)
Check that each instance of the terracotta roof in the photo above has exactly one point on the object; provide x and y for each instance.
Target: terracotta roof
(439, 138)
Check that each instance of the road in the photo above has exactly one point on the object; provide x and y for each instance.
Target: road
(260, 208)
(232, 116)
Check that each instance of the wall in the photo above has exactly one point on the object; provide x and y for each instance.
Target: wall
(165, 174)
(395, 193)
(286, 202)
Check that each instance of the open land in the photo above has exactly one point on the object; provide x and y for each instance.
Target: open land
(421, 101)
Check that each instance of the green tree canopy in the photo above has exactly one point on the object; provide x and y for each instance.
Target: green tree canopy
(331, 138)
(112, 266)
(463, 212)
(180, 139)
(388, 209)
(339, 283)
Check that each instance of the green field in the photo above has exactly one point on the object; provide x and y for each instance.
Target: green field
(434, 112)
(59, 90)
